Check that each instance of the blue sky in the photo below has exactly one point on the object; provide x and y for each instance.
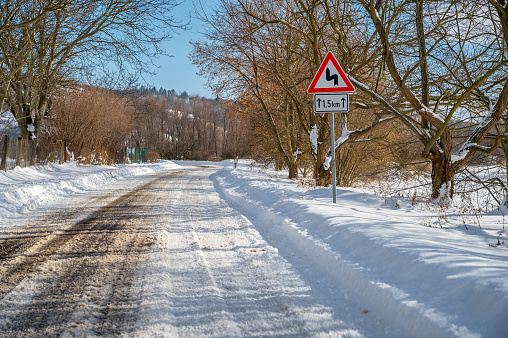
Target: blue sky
(178, 72)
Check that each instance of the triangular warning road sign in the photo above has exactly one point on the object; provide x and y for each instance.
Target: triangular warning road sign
(330, 78)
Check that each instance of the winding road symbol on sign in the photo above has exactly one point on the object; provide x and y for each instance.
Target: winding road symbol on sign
(333, 77)
(330, 78)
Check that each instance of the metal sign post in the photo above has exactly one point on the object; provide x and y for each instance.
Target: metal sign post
(331, 87)
(332, 103)
(332, 146)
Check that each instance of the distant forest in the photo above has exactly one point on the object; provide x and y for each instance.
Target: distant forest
(162, 92)
(175, 125)
(100, 123)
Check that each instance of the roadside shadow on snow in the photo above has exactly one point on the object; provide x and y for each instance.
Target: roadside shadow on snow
(306, 223)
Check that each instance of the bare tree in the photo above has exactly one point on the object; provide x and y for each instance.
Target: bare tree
(271, 50)
(15, 16)
(91, 119)
(469, 65)
(230, 55)
(78, 35)
(461, 61)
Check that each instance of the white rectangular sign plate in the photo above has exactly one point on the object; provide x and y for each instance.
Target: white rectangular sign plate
(331, 103)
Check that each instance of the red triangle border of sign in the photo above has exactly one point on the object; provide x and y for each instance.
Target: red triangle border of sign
(347, 89)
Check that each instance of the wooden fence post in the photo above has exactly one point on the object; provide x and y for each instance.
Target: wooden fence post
(31, 152)
(19, 146)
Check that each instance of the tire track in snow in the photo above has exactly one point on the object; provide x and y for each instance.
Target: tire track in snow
(84, 273)
(208, 281)
(239, 285)
(34, 242)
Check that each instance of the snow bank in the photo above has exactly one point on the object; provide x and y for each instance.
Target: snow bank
(427, 280)
(25, 189)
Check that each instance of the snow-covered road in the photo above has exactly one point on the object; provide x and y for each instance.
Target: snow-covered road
(169, 258)
(202, 250)
(220, 278)
(73, 272)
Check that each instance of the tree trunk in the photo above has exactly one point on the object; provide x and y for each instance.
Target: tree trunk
(505, 202)
(293, 169)
(442, 179)
(423, 59)
(322, 176)
(504, 147)
(5, 148)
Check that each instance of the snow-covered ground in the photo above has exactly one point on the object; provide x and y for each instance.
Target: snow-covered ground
(365, 266)
(27, 189)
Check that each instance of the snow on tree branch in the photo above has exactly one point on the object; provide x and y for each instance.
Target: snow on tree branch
(313, 136)
(421, 134)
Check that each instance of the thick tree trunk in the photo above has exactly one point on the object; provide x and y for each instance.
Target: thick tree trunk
(322, 176)
(504, 147)
(29, 108)
(279, 164)
(423, 59)
(442, 179)
(293, 169)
